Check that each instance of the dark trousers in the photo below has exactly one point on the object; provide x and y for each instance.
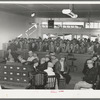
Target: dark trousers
(66, 76)
(58, 77)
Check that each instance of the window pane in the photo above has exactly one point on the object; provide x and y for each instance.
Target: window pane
(96, 25)
(78, 36)
(57, 24)
(99, 25)
(87, 25)
(73, 23)
(45, 36)
(61, 37)
(75, 36)
(69, 37)
(91, 25)
(85, 36)
(93, 38)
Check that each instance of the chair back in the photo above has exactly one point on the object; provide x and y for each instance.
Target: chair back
(39, 80)
(51, 82)
(70, 55)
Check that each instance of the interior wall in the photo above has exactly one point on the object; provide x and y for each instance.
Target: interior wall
(12, 25)
(60, 31)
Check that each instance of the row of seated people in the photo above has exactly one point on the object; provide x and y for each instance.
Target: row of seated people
(58, 45)
(49, 64)
(54, 66)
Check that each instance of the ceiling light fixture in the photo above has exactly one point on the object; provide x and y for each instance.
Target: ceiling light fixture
(69, 13)
(33, 14)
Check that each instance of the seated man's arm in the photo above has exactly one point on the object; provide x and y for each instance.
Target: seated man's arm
(91, 77)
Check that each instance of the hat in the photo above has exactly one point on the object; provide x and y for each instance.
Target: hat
(89, 62)
(50, 64)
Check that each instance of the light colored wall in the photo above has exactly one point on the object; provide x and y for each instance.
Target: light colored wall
(12, 25)
(69, 31)
(60, 31)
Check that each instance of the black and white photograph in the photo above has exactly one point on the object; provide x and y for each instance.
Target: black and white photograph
(47, 46)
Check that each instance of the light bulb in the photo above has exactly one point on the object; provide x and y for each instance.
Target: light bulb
(66, 11)
(33, 14)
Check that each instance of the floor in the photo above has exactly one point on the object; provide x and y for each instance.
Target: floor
(75, 77)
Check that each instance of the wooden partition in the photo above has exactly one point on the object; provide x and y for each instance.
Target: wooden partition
(80, 58)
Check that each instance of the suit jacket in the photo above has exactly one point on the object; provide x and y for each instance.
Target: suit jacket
(91, 75)
(57, 67)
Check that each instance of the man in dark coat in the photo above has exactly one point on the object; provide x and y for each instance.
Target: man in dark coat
(90, 77)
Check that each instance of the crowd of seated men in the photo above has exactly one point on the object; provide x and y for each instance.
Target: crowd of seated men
(55, 45)
(49, 64)
(59, 67)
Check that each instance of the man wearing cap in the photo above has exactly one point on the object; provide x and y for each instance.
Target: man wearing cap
(90, 77)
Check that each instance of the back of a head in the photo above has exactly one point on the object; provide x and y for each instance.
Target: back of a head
(30, 53)
(50, 65)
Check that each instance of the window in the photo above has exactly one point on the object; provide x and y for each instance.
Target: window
(62, 37)
(92, 25)
(57, 24)
(44, 25)
(87, 25)
(96, 25)
(73, 23)
(69, 37)
(85, 36)
(93, 38)
(45, 36)
(64, 24)
(77, 36)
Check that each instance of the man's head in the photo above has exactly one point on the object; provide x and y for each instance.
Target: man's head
(9, 50)
(50, 64)
(34, 54)
(53, 57)
(90, 63)
(94, 58)
(47, 58)
(62, 58)
(42, 60)
(30, 53)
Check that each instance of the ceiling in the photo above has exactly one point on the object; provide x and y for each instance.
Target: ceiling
(52, 10)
